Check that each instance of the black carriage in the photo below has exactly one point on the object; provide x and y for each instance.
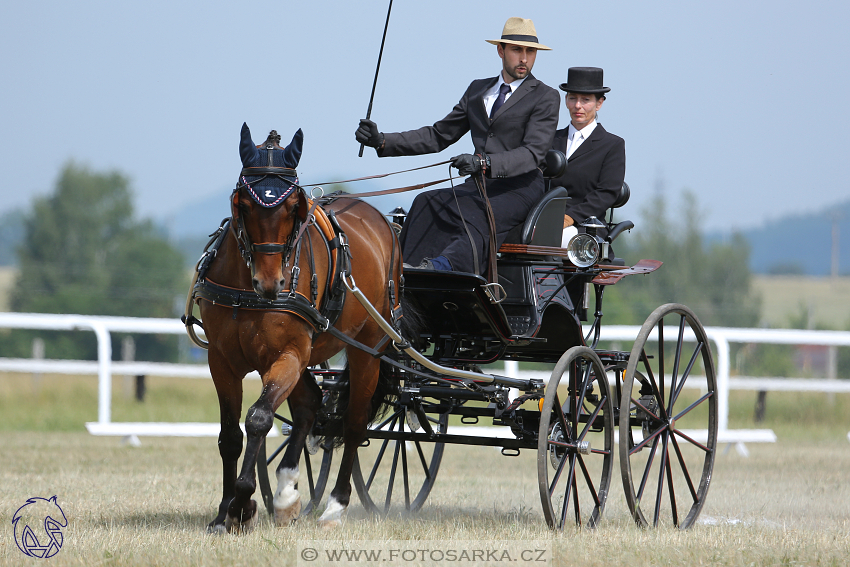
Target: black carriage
(655, 404)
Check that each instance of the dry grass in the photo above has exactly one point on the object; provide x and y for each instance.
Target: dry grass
(787, 504)
(784, 296)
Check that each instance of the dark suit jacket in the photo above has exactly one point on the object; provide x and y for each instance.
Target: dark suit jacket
(594, 174)
(516, 140)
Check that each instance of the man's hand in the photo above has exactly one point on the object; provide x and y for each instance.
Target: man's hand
(467, 164)
(568, 221)
(368, 135)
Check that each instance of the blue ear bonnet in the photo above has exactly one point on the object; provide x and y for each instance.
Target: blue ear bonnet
(269, 190)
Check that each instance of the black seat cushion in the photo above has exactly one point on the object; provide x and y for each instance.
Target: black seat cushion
(545, 222)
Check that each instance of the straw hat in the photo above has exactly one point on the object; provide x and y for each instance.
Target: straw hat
(519, 31)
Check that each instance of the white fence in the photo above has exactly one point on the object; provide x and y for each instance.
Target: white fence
(105, 367)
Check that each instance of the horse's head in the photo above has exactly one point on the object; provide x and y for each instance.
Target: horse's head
(267, 208)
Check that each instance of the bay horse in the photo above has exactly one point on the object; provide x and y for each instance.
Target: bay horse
(272, 253)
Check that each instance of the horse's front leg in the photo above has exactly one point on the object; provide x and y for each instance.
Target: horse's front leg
(278, 382)
(304, 403)
(229, 390)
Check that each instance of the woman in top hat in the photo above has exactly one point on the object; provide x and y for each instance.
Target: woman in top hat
(596, 159)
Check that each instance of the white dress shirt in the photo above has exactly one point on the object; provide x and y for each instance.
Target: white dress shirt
(576, 137)
(493, 93)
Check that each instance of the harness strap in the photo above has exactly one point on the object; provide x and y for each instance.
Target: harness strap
(379, 176)
(296, 304)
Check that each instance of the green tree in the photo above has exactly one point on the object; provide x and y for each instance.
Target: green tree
(83, 252)
(712, 279)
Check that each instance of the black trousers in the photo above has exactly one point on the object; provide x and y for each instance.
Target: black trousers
(435, 224)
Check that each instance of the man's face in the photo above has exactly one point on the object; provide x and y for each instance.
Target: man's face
(583, 108)
(517, 60)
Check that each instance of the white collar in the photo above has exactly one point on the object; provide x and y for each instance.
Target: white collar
(585, 132)
(514, 85)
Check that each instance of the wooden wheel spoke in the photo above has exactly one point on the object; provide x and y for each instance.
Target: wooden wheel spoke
(395, 415)
(691, 440)
(641, 406)
(661, 360)
(679, 342)
(405, 474)
(592, 418)
(589, 481)
(378, 461)
(654, 385)
(277, 451)
(558, 472)
(283, 419)
(642, 444)
(648, 466)
(684, 468)
(422, 460)
(576, 505)
(309, 468)
(670, 489)
(569, 484)
(687, 373)
(693, 405)
(391, 482)
(562, 419)
(661, 470)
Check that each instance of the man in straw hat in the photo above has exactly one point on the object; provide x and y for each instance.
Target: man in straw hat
(512, 120)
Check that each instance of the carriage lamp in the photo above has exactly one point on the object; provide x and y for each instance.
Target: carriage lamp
(583, 250)
(592, 225)
(398, 215)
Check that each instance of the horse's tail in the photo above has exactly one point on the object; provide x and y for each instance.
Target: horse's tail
(332, 413)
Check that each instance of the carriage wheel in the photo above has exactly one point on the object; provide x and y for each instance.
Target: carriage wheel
(404, 470)
(575, 447)
(314, 468)
(668, 419)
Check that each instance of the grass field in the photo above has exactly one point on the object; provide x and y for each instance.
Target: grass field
(787, 504)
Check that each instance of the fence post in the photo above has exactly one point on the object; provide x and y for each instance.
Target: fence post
(37, 354)
(831, 370)
(128, 354)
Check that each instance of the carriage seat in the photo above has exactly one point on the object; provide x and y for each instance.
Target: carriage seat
(543, 225)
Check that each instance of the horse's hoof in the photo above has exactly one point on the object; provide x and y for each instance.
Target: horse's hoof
(286, 516)
(216, 529)
(333, 515)
(232, 525)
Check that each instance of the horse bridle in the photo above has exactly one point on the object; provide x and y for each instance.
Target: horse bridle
(246, 248)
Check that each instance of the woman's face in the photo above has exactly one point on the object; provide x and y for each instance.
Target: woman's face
(583, 108)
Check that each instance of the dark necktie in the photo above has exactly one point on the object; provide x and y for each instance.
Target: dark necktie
(500, 100)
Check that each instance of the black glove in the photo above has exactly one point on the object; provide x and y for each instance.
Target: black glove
(368, 135)
(468, 164)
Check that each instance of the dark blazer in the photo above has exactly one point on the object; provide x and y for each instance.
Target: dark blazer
(594, 174)
(516, 140)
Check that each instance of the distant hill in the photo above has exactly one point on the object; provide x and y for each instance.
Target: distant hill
(800, 244)
(791, 245)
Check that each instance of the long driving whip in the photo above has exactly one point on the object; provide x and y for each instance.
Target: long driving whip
(378, 68)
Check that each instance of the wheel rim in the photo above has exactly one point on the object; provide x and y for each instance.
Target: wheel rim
(574, 485)
(668, 419)
(398, 470)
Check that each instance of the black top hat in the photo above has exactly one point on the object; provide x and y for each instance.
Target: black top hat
(584, 80)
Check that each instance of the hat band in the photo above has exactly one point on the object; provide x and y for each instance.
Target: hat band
(516, 37)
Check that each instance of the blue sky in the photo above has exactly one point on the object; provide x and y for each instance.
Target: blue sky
(743, 103)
